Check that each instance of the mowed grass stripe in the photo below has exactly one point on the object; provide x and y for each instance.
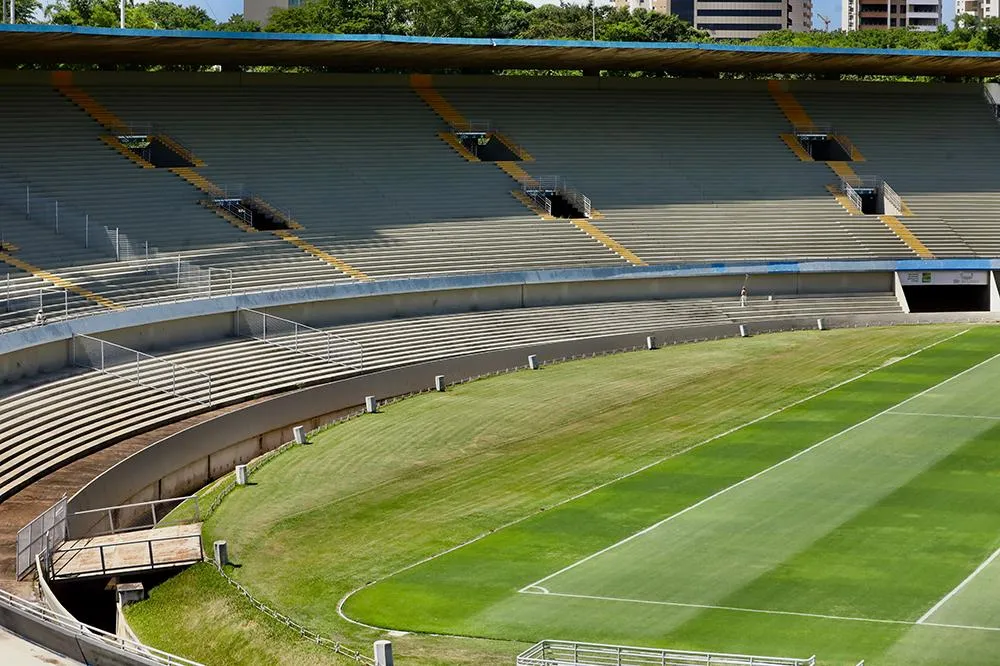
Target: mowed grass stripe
(487, 572)
(708, 551)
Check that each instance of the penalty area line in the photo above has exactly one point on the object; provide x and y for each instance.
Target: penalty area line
(989, 560)
(758, 611)
(773, 467)
(948, 416)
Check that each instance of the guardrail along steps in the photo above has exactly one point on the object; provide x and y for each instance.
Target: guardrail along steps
(803, 123)
(247, 212)
(550, 203)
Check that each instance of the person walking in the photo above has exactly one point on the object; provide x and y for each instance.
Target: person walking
(743, 296)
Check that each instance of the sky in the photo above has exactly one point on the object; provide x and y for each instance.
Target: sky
(221, 10)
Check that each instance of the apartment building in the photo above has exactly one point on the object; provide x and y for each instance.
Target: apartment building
(885, 14)
(734, 19)
(983, 9)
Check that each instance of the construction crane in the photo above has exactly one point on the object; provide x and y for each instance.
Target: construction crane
(826, 22)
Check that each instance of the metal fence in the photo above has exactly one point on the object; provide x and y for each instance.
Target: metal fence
(143, 369)
(305, 633)
(139, 653)
(566, 653)
(890, 197)
(41, 535)
(136, 516)
(300, 338)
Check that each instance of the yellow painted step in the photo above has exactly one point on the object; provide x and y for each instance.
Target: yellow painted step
(796, 147)
(180, 150)
(337, 263)
(457, 146)
(842, 169)
(843, 200)
(514, 170)
(423, 85)
(906, 236)
(529, 202)
(790, 106)
(61, 282)
(514, 148)
(591, 230)
(120, 147)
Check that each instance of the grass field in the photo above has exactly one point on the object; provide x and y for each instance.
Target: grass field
(831, 493)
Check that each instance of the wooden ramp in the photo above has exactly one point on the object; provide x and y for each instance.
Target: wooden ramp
(128, 552)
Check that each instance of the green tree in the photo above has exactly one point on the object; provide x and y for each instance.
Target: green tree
(641, 25)
(563, 21)
(170, 16)
(364, 17)
(25, 11)
(238, 23)
(469, 18)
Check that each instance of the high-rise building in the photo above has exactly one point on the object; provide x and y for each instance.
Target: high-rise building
(728, 19)
(979, 8)
(885, 14)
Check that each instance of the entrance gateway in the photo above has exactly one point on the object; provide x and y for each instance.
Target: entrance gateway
(948, 291)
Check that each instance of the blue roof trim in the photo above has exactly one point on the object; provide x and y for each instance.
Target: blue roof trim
(462, 41)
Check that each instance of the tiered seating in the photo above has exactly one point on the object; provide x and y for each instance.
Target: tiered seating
(937, 146)
(89, 411)
(364, 171)
(54, 145)
(684, 175)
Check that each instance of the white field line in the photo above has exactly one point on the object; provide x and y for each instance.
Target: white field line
(343, 600)
(926, 616)
(761, 611)
(759, 474)
(950, 416)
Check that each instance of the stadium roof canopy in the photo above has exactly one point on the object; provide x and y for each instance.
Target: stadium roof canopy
(46, 44)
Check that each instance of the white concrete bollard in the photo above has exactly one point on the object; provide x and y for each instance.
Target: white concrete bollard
(819, 324)
(383, 653)
(221, 549)
(650, 342)
(533, 362)
(130, 593)
(241, 475)
(299, 432)
(371, 404)
(439, 383)
(743, 331)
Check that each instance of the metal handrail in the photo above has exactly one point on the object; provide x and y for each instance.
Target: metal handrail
(567, 653)
(106, 368)
(105, 569)
(889, 196)
(295, 335)
(57, 620)
(542, 187)
(151, 504)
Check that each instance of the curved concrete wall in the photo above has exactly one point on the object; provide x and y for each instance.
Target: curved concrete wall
(30, 351)
(188, 460)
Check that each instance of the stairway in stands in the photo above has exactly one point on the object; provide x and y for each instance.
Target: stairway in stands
(423, 86)
(801, 121)
(63, 82)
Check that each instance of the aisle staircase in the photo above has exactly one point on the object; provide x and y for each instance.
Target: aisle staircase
(423, 86)
(800, 120)
(58, 281)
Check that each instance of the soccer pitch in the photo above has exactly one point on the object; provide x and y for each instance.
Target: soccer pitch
(859, 523)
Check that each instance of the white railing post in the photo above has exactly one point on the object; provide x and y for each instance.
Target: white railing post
(178, 270)
(118, 253)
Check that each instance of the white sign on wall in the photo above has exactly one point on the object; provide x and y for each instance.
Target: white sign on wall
(923, 278)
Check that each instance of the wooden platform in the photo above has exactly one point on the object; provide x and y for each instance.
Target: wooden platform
(129, 552)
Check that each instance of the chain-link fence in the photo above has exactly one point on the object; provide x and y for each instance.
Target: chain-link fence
(300, 338)
(142, 369)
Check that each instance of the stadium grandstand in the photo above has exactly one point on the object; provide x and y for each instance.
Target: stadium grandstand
(196, 265)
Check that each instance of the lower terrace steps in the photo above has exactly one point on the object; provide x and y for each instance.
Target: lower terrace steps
(47, 426)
